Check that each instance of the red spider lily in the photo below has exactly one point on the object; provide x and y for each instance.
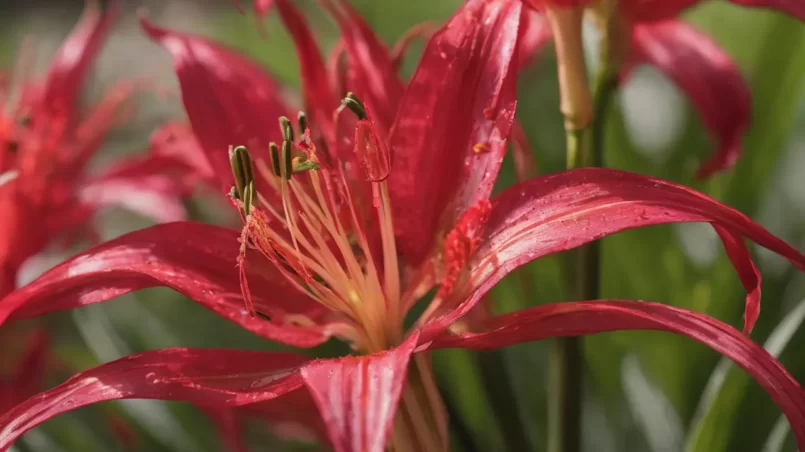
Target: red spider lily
(646, 31)
(332, 246)
(45, 144)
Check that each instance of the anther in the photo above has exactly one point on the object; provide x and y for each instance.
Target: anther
(242, 171)
(302, 164)
(287, 129)
(302, 121)
(352, 102)
(286, 160)
(274, 155)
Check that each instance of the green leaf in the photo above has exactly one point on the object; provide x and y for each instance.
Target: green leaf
(718, 409)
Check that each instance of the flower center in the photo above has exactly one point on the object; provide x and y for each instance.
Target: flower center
(310, 225)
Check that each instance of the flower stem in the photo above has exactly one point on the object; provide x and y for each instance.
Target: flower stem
(421, 421)
(584, 148)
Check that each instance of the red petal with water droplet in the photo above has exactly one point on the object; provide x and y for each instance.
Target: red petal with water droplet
(358, 395)
(375, 77)
(73, 60)
(590, 317)
(795, 8)
(707, 75)
(461, 95)
(195, 259)
(211, 377)
(229, 99)
(565, 210)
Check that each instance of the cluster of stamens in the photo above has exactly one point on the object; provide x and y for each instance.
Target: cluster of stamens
(318, 240)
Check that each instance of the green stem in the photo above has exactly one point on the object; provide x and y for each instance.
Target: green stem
(584, 148)
(503, 400)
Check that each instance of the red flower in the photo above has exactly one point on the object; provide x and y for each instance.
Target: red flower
(708, 76)
(332, 246)
(46, 189)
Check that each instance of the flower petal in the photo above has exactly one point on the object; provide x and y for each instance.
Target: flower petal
(74, 58)
(707, 75)
(460, 99)
(747, 271)
(177, 141)
(590, 317)
(320, 101)
(211, 377)
(358, 395)
(795, 8)
(565, 210)
(534, 35)
(151, 197)
(195, 259)
(376, 79)
(155, 184)
(229, 99)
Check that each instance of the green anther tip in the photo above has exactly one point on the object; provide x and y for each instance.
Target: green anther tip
(241, 164)
(307, 165)
(352, 102)
(287, 129)
(302, 121)
(274, 154)
(287, 167)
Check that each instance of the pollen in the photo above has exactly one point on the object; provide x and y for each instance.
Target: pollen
(480, 148)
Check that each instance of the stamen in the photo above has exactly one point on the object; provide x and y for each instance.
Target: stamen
(302, 120)
(243, 173)
(274, 155)
(287, 129)
(352, 102)
(301, 164)
(286, 168)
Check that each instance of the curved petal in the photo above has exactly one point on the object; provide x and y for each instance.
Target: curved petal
(707, 75)
(74, 58)
(747, 271)
(196, 259)
(450, 133)
(154, 196)
(792, 7)
(535, 33)
(376, 78)
(565, 210)
(590, 317)
(211, 377)
(229, 99)
(320, 101)
(357, 395)
(177, 141)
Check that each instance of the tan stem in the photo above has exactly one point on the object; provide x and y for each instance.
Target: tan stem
(576, 101)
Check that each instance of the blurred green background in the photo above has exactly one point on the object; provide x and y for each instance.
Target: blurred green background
(643, 391)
